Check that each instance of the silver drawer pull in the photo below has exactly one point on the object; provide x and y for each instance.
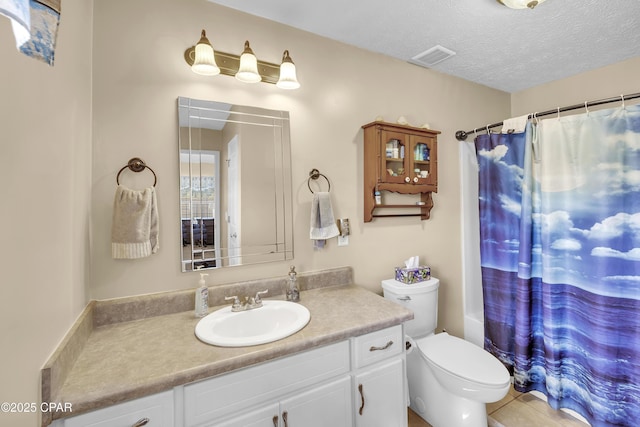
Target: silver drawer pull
(389, 344)
(404, 298)
(141, 422)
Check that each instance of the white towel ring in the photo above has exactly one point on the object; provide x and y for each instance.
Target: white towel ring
(315, 174)
(136, 164)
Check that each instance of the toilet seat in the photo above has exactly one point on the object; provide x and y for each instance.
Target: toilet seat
(464, 360)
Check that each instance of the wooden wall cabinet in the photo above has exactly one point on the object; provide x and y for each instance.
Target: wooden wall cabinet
(401, 159)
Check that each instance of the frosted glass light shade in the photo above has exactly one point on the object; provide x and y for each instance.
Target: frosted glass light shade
(248, 69)
(521, 4)
(288, 79)
(204, 62)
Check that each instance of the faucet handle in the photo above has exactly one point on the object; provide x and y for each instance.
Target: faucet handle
(258, 300)
(236, 301)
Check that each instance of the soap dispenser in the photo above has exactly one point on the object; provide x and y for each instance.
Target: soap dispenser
(293, 293)
(202, 297)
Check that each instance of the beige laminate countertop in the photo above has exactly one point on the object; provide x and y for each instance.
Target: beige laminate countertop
(128, 360)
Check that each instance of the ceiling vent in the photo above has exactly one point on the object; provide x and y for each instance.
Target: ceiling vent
(432, 56)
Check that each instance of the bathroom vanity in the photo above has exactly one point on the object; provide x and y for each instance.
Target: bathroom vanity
(345, 368)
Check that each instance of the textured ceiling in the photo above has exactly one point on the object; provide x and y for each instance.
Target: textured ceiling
(502, 48)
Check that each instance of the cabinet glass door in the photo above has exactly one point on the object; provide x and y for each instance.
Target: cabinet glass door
(422, 169)
(394, 157)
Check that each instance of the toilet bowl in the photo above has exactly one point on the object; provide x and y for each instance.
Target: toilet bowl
(450, 379)
(456, 379)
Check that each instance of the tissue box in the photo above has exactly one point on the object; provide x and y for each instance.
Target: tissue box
(413, 275)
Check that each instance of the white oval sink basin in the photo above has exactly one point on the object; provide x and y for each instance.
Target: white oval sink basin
(271, 322)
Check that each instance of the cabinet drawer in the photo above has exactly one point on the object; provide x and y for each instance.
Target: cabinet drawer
(208, 400)
(157, 408)
(370, 348)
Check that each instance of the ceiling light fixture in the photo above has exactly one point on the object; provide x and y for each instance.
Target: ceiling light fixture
(245, 67)
(521, 4)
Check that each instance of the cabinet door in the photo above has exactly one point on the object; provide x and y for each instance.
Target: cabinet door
(380, 396)
(423, 160)
(394, 156)
(328, 405)
(267, 416)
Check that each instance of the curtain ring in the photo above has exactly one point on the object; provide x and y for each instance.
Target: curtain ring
(535, 117)
(558, 113)
(622, 97)
(487, 128)
(586, 107)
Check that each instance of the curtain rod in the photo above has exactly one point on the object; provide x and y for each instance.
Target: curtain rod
(462, 135)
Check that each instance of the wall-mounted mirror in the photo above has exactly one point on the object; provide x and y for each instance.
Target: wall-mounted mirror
(235, 185)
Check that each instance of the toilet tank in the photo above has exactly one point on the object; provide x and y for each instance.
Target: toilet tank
(421, 298)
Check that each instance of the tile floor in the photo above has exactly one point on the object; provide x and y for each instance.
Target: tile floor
(518, 410)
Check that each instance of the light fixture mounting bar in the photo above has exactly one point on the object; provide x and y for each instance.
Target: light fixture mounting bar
(229, 64)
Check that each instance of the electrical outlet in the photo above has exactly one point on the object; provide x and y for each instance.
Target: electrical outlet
(343, 240)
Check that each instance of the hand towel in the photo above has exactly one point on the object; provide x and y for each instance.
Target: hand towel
(515, 124)
(323, 225)
(134, 231)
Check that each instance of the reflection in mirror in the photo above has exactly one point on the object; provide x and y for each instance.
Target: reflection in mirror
(235, 185)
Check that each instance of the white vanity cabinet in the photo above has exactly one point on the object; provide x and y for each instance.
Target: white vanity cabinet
(379, 379)
(356, 382)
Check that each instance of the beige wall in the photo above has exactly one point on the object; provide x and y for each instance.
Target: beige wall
(45, 171)
(140, 71)
(73, 149)
(602, 83)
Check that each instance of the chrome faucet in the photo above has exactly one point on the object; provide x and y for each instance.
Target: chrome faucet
(248, 303)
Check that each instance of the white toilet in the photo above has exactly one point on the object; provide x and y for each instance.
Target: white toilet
(450, 379)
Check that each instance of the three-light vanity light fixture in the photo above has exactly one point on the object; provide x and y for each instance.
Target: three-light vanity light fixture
(246, 67)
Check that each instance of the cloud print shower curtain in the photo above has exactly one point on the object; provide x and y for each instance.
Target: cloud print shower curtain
(560, 255)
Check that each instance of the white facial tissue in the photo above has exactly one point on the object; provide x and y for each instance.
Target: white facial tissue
(412, 262)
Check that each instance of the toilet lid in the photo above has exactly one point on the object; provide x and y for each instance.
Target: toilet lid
(426, 286)
(464, 359)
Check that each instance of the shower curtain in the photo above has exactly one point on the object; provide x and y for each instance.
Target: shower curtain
(560, 253)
